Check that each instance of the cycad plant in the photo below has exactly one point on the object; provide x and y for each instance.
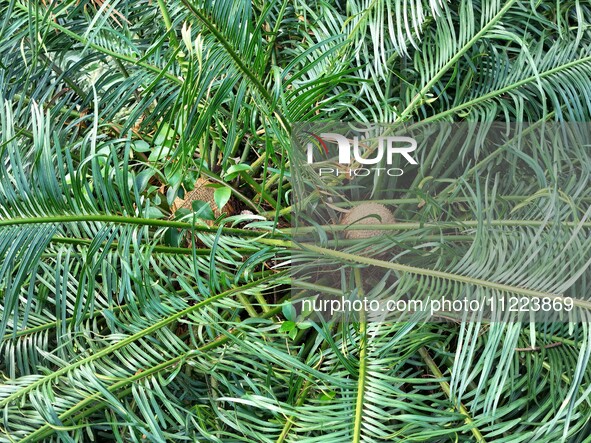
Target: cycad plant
(123, 319)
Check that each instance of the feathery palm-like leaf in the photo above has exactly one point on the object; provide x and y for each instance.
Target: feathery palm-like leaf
(122, 321)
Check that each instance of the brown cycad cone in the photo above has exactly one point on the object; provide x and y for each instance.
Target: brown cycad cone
(367, 214)
(202, 192)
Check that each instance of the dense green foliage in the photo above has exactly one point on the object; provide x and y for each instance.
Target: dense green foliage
(120, 321)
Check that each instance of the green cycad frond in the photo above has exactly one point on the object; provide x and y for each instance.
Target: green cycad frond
(90, 295)
(404, 24)
(532, 246)
(109, 332)
(537, 75)
(402, 397)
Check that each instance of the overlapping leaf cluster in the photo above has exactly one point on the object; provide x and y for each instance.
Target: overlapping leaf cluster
(121, 321)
